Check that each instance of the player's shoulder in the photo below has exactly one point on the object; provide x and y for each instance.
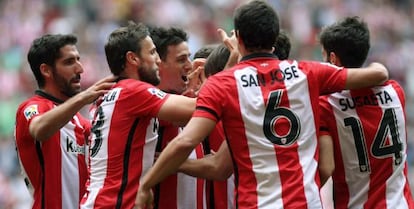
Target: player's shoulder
(316, 65)
(132, 84)
(129, 87)
(34, 101)
(394, 83)
(387, 84)
(32, 106)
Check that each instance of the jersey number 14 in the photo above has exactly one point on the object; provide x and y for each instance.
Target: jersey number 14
(380, 147)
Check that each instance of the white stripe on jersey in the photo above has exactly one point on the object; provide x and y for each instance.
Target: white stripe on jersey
(69, 158)
(187, 188)
(230, 192)
(151, 139)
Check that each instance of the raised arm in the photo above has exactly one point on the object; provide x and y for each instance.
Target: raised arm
(374, 74)
(177, 109)
(44, 126)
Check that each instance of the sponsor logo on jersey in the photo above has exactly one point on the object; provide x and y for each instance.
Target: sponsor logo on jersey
(30, 111)
(73, 147)
(157, 92)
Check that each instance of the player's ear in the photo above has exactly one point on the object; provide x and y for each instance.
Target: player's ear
(335, 60)
(45, 70)
(239, 40)
(332, 58)
(132, 58)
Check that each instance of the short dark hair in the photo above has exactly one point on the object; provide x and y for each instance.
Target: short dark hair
(46, 49)
(122, 40)
(282, 46)
(349, 39)
(217, 60)
(204, 51)
(257, 24)
(163, 38)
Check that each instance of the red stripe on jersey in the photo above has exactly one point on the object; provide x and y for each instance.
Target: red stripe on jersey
(53, 178)
(166, 190)
(167, 193)
(223, 199)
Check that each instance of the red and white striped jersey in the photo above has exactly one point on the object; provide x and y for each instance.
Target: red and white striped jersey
(220, 194)
(122, 146)
(269, 111)
(178, 191)
(55, 169)
(368, 127)
(223, 194)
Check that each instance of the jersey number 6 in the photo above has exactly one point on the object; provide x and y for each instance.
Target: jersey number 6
(273, 114)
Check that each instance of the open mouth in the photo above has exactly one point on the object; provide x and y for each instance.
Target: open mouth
(184, 77)
(76, 79)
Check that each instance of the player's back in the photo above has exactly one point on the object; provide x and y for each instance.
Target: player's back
(122, 146)
(370, 143)
(268, 110)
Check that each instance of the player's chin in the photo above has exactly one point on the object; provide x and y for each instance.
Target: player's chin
(76, 88)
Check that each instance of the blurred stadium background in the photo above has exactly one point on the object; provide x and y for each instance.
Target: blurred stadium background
(392, 38)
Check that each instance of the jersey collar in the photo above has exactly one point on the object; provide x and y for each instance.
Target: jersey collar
(258, 55)
(48, 96)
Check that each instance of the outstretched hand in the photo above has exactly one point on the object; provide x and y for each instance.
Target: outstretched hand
(196, 78)
(97, 89)
(231, 43)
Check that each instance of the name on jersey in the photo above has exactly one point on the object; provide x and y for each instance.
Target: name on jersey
(112, 95)
(276, 75)
(73, 147)
(382, 97)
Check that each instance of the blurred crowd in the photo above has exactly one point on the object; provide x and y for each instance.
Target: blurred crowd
(391, 23)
